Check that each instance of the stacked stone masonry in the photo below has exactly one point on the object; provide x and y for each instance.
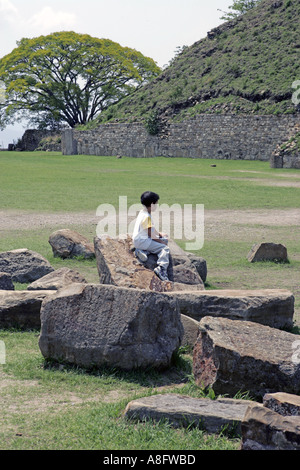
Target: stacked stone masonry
(207, 136)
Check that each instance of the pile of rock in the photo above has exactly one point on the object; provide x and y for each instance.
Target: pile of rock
(132, 320)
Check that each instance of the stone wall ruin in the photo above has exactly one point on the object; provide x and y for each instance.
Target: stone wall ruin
(206, 136)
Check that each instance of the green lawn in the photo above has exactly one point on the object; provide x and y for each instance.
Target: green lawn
(49, 182)
(45, 406)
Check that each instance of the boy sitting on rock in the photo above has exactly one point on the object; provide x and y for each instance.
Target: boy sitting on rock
(147, 240)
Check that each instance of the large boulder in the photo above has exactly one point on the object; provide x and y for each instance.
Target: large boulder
(24, 265)
(271, 307)
(117, 265)
(102, 325)
(213, 416)
(67, 243)
(21, 309)
(232, 356)
(57, 279)
(268, 252)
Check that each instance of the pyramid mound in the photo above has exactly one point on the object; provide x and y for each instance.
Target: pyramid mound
(244, 66)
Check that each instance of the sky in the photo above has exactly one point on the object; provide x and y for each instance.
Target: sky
(153, 27)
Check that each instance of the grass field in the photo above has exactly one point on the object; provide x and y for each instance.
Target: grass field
(48, 407)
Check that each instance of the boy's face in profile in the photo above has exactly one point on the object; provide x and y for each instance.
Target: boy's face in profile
(153, 207)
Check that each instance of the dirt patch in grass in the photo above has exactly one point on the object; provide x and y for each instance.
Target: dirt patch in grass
(25, 220)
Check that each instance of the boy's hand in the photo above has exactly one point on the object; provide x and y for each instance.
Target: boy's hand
(163, 235)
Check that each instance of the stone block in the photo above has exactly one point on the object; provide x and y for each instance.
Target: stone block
(285, 404)
(57, 279)
(264, 429)
(269, 307)
(67, 243)
(6, 282)
(24, 265)
(190, 327)
(231, 356)
(213, 416)
(21, 309)
(117, 265)
(104, 325)
(268, 252)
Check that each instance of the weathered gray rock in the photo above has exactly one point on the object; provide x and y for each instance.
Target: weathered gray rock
(57, 279)
(117, 265)
(268, 252)
(21, 309)
(67, 243)
(285, 404)
(264, 429)
(200, 264)
(24, 265)
(95, 325)
(6, 282)
(191, 328)
(179, 410)
(269, 307)
(232, 356)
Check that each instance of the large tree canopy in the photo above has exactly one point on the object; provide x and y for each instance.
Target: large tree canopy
(68, 78)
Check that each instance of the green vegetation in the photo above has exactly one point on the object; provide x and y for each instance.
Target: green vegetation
(68, 78)
(245, 66)
(49, 182)
(53, 406)
(239, 7)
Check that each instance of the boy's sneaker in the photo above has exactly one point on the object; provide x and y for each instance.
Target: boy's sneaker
(141, 255)
(161, 273)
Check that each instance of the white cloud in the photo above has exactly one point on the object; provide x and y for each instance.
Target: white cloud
(8, 10)
(48, 19)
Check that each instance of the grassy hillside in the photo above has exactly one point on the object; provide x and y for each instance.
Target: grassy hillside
(246, 65)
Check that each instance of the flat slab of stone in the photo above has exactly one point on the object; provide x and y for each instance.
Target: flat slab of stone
(268, 307)
(179, 410)
(67, 243)
(117, 265)
(268, 252)
(264, 429)
(21, 309)
(57, 279)
(232, 356)
(93, 325)
(24, 265)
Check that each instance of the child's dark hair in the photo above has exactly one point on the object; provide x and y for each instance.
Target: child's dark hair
(148, 198)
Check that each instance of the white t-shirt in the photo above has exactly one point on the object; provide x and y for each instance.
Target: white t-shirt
(140, 233)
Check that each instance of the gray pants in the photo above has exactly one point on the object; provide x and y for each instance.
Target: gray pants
(162, 251)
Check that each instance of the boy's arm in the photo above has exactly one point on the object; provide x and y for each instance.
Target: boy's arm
(156, 236)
